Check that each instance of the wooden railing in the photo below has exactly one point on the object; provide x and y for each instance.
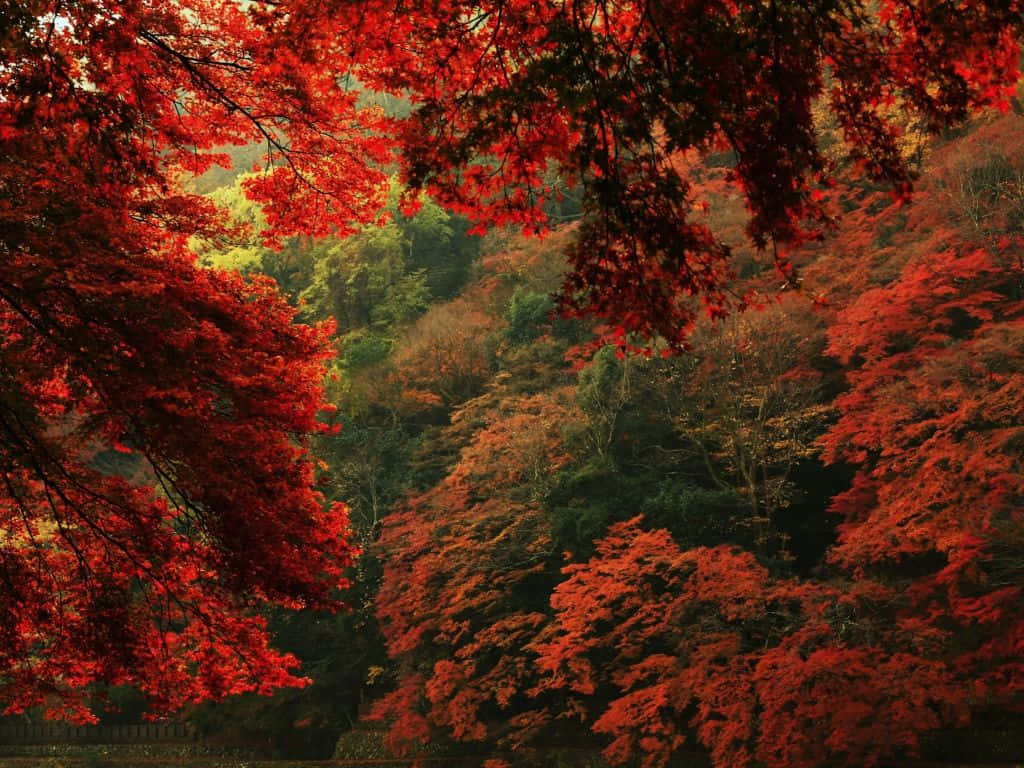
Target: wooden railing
(62, 733)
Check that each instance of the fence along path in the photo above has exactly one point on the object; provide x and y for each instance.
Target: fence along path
(62, 733)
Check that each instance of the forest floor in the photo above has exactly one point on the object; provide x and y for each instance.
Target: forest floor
(193, 762)
(181, 756)
(186, 763)
(94, 757)
(196, 755)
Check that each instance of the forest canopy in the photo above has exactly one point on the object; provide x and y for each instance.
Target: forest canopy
(559, 525)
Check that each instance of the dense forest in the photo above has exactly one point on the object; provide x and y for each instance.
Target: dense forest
(518, 391)
(791, 545)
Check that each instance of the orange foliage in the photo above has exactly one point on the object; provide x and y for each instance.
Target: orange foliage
(760, 668)
(912, 621)
(455, 554)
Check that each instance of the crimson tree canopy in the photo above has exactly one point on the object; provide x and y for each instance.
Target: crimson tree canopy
(113, 337)
(614, 96)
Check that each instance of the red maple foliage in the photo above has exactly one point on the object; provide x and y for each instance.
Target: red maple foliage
(761, 670)
(113, 337)
(933, 420)
(149, 570)
(455, 599)
(613, 96)
(910, 623)
(918, 627)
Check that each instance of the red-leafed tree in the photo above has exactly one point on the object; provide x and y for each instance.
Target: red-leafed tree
(150, 569)
(933, 420)
(613, 96)
(664, 645)
(466, 580)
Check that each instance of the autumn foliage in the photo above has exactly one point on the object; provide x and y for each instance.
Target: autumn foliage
(667, 638)
(798, 544)
(613, 97)
(455, 554)
(157, 488)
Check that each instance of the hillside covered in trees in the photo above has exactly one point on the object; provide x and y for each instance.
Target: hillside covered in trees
(515, 383)
(795, 544)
